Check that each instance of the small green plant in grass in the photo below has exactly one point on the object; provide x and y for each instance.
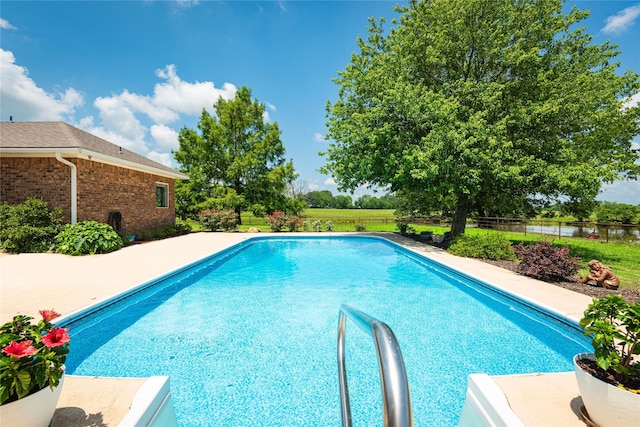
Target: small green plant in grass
(544, 261)
(490, 246)
(306, 225)
(317, 225)
(360, 227)
(328, 225)
(88, 237)
(402, 227)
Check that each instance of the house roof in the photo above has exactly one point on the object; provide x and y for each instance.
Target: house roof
(44, 139)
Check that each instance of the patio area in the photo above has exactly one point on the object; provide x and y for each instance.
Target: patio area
(31, 282)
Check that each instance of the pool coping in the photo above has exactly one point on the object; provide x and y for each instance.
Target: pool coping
(80, 283)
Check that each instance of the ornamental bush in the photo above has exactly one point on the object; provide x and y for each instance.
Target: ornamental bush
(277, 221)
(294, 222)
(490, 246)
(328, 225)
(88, 237)
(29, 227)
(218, 220)
(544, 261)
(280, 220)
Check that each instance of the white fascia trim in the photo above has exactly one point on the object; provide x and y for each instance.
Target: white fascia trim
(91, 155)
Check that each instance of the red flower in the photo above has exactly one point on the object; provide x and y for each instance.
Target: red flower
(56, 337)
(48, 315)
(20, 349)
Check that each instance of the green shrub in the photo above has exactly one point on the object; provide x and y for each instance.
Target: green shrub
(317, 225)
(328, 225)
(491, 246)
(29, 227)
(218, 220)
(402, 227)
(361, 227)
(88, 237)
(163, 232)
(544, 261)
(306, 226)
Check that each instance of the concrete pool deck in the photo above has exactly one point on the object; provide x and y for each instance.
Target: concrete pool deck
(31, 282)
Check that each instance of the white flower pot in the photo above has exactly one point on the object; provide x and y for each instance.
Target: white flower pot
(34, 410)
(607, 405)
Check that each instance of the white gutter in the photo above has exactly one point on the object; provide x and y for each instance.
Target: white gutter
(75, 152)
(74, 187)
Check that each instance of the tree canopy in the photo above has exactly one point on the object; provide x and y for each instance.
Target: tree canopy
(236, 160)
(483, 104)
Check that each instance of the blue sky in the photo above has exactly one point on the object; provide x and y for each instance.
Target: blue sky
(135, 72)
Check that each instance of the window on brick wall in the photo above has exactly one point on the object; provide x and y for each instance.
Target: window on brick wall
(162, 195)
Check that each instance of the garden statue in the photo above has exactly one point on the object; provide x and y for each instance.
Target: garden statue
(602, 275)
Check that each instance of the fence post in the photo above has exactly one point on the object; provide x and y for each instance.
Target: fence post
(559, 229)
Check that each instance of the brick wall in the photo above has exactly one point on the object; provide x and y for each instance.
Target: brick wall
(101, 189)
(43, 177)
(104, 188)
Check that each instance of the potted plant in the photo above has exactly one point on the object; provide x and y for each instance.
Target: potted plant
(609, 378)
(32, 357)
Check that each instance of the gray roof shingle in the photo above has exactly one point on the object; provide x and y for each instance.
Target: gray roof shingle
(60, 136)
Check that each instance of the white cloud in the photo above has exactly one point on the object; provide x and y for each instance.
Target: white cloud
(5, 25)
(624, 19)
(188, 98)
(621, 192)
(136, 121)
(164, 136)
(632, 102)
(330, 181)
(163, 158)
(21, 98)
(318, 137)
(270, 106)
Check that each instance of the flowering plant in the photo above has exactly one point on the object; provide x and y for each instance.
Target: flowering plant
(277, 220)
(31, 356)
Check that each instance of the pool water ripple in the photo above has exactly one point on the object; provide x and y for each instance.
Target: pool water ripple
(251, 340)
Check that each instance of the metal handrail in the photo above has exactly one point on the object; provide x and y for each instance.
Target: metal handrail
(393, 376)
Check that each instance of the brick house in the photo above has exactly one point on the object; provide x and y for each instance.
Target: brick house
(85, 176)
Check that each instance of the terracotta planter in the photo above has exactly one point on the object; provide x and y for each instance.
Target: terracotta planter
(607, 405)
(34, 410)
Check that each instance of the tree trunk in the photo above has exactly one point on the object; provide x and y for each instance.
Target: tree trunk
(238, 211)
(460, 216)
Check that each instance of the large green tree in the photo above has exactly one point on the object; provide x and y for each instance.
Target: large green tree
(236, 160)
(483, 104)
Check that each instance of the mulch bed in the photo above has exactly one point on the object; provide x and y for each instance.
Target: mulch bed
(629, 295)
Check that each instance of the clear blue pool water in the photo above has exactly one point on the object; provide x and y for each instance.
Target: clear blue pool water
(248, 338)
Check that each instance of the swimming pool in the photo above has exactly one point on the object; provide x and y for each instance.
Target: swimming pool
(248, 337)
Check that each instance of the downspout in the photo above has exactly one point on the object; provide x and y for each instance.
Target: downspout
(74, 187)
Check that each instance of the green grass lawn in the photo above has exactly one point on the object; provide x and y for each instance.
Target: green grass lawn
(622, 257)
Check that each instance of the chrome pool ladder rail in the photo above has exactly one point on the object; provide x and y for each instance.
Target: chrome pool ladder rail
(396, 400)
